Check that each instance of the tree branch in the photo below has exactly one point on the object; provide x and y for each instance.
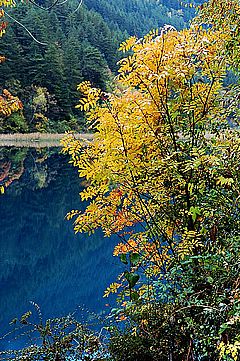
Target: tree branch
(24, 27)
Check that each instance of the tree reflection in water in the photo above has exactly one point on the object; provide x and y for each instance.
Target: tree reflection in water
(40, 257)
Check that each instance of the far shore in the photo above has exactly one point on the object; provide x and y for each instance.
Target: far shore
(38, 140)
(48, 140)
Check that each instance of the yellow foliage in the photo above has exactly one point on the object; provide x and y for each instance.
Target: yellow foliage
(122, 248)
(152, 158)
(190, 242)
(8, 103)
(232, 350)
(90, 96)
(113, 288)
(7, 3)
(224, 15)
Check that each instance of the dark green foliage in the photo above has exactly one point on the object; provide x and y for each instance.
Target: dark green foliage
(81, 45)
(16, 122)
(194, 308)
(127, 347)
(94, 67)
(138, 17)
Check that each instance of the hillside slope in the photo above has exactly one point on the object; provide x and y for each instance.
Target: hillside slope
(80, 43)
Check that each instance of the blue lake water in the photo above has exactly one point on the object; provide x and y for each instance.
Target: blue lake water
(41, 259)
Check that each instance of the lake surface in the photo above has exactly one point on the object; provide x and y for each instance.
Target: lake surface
(41, 259)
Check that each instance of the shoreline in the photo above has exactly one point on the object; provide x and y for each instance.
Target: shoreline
(38, 140)
(48, 140)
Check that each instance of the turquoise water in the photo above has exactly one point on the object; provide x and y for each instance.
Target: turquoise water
(41, 259)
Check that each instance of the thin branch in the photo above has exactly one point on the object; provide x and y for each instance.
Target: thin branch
(59, 4)
(196, 306)
(24, 27)
(43, 8)
(77, 8)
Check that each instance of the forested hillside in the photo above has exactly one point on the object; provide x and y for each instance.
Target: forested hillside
(77, 43)
(137, 17)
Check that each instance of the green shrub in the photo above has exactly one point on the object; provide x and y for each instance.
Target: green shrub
(16, 123)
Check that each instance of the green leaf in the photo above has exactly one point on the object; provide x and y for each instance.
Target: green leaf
(13, 322)
(123, 258)
(134, 296)
(135, 258)
(132, 278)
(223, 327)
(210, 279)
(194, 211)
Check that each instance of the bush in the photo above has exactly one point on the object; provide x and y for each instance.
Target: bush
(15, 123)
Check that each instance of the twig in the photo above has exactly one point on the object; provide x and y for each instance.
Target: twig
(77, 8)
(43, 8)
(24, 27)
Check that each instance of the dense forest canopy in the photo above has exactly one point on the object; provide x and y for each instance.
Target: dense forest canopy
(74, 43)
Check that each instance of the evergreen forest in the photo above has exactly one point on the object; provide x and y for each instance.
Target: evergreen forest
(74, 43)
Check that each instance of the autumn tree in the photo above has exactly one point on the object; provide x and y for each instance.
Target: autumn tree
(8, 103)
(163, 174)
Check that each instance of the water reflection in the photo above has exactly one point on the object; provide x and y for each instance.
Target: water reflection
(40, 257)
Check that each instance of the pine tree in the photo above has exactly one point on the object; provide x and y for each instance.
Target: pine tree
(94, 66)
